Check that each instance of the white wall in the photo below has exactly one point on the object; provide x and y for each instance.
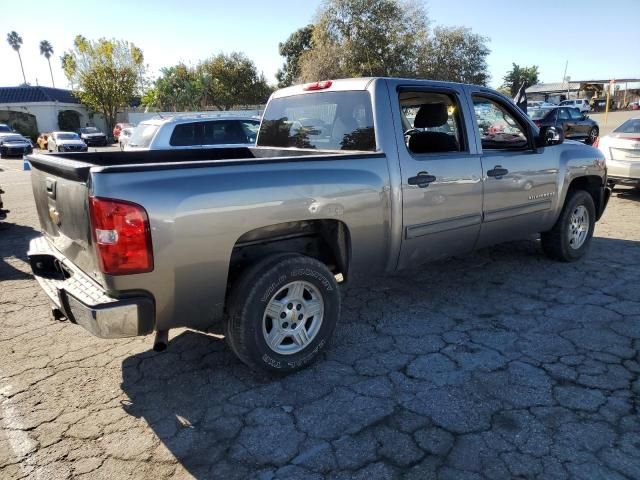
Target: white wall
(46, 114)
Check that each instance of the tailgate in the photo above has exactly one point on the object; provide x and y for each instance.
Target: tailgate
(62, 205)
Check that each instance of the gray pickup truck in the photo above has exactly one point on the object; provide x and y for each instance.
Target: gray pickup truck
(349, 178)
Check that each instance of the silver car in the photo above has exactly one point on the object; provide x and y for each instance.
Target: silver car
(66, 142)
(621, 148)
(194, 131)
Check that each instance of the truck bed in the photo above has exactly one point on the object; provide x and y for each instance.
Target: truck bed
(76, 166)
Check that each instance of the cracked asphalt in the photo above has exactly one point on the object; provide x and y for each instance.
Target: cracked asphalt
(500, 364)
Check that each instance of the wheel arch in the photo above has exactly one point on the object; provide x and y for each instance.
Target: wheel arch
(593, 185)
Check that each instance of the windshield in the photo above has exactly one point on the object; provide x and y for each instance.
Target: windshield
(142, 135)
(90, 130)
(539, 113)
(13, 138)
(4, 128)
(66, 136)
(630, 126)
(322, 120)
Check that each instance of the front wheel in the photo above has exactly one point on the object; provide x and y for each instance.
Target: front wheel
(570, 237)
(593, 135)
(282, 313)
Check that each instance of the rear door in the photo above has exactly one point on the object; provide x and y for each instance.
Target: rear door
(520, 182)
(441, 173)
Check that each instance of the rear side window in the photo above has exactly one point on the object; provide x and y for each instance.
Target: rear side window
(186, 134)
(432, 122)
(143, 135)
(320, 120)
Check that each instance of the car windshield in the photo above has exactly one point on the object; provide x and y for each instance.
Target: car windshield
(90, 130)
(66, 136)
(630, 126)
(14, 138)
(142, 135)
(539, 113)
(324, 120)
(4, 128)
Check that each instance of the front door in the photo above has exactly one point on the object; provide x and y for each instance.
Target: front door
(441, 174)
(520, 182)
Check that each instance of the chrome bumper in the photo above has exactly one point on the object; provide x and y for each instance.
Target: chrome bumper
(83, 301)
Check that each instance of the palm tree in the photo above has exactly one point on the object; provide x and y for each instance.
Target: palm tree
(46, 49)
(15, 41)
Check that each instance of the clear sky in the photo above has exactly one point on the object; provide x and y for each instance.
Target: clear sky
(599, 39)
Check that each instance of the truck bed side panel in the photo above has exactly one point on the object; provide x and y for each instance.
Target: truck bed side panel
(197, 215)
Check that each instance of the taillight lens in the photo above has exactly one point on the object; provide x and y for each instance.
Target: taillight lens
(121, 235)
(596, 142)
(537, 122)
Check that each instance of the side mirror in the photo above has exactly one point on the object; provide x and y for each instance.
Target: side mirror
(550, 135)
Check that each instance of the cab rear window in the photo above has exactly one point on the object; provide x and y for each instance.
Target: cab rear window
(321, 120)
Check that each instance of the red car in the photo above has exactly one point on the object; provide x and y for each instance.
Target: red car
(119, 127)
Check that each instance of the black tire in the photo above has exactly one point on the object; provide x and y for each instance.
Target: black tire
(593, 134)
(556, 242)
(251, 293)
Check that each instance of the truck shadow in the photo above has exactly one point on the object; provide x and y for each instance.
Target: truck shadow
(628, 193)
(14, 242)
(450, 346)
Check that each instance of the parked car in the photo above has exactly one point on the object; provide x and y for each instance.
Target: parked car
(125, 135)
(4, 128)
(43, 140)
(621, 148)
(581, 104)
(93, 137)
(539, 104)
(193, 131)
(341, 185)
(14, 144)
(118, 127)
(65, 142)
(634, 106)
(576, 125)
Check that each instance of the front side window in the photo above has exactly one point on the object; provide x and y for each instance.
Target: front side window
(563, 114)
(220, 132)
(432, 122)
(575, 114)
(250, 129)
(497, 126)
(319, 120)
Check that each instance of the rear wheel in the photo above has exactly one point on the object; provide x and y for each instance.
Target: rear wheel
(593, 135)
(282, 313)
(570, 237)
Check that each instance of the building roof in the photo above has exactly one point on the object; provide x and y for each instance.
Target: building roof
(553, 87)
(29, 94)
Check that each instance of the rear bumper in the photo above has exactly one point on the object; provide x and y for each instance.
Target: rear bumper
(83, 301)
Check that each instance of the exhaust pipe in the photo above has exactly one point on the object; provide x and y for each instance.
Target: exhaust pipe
(161, 341)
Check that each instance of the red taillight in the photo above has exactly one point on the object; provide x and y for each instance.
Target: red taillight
(121, 235)
(537, 122)
(318, 85)
(596, 142)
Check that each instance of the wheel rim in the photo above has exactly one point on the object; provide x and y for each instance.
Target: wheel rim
(578, 227)
(593, 135)
(293, 317)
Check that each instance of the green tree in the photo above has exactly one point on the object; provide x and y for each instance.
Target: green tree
(292, 49)
(233, 79)
(177, 89)
(106, 74)
(366, 37)
(15, 41)
(519, 76)
(456, 54)
(46, 49)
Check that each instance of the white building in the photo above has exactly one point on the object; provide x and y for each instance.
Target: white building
(32, 110)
